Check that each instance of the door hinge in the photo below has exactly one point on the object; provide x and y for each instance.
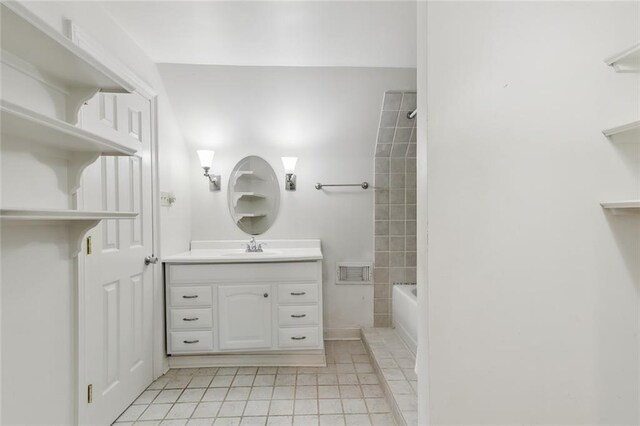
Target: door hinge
(90, 394)
(89, 248)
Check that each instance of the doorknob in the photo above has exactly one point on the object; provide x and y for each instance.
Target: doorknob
(150, 260)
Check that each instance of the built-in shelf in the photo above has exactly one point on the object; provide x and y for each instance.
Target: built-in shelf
(249, 175)
(84, 147)
(62, 215)
(79, 222)
(623, 207)
(628, 132)
(241, 216)
(626, 61)
(239, 195)
(27, 37)
(39, 128)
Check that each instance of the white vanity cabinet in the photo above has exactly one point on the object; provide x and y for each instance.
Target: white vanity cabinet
(241, 307)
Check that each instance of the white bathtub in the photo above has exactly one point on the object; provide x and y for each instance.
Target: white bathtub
(405, 314)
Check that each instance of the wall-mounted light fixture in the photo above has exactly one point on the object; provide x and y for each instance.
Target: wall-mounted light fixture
(206, 160)
(289, 164)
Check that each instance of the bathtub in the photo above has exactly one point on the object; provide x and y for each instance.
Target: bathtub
(405, 314)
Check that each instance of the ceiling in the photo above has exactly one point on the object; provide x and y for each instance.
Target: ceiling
(272, 33)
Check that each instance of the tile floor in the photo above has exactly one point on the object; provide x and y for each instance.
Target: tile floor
(346, 392)
(395, 364)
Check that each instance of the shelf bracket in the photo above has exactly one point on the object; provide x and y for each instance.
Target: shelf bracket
(77, 163)
(77, 231)
(75, 100)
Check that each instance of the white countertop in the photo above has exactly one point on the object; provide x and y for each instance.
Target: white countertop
(233, 251)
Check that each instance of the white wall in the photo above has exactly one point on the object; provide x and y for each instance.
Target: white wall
(273, 33)
(38, 278)
(533, 288)
(327, 117)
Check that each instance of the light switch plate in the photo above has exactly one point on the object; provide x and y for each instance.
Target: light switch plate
(167, 199)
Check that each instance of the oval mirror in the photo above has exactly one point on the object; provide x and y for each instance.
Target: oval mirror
(254, 195)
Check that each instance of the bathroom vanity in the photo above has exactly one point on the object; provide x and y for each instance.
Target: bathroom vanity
(246, 307)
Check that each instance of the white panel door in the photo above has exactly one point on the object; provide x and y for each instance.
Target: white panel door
(244, 316)
(117, 295)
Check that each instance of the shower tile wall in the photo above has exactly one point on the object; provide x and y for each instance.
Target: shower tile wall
(395, 201)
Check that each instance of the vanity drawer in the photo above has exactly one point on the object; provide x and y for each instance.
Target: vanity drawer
(190, 318)
(298, 315)
(303, 337)
(190, 296)
(191, 341)
(297, 293)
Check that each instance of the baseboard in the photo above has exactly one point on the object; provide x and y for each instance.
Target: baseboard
(341, 334)
(307, 359)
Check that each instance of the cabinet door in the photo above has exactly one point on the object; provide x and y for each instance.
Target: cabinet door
(244, 316)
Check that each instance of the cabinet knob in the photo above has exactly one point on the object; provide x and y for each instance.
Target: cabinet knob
(266, 295)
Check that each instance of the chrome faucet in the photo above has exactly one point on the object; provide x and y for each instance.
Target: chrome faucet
(253, 246)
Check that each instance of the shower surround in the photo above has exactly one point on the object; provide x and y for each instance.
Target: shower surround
(395, 201)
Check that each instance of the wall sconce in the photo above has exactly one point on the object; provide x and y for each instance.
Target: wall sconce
(289, 164)
(206, 160)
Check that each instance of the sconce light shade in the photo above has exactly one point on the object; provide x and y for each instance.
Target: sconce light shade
(206, 157)
(289, 164)
(206, 160)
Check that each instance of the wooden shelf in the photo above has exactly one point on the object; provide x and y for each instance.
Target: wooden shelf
(33, 126)
(84, 147)
(626, 133)
(623, 207)
(29, 38)
(62, 215)
(79, 222)
(626, 61)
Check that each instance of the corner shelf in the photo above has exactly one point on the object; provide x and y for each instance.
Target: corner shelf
(79, 222)
(629, 131)
(623, 207)
(241, 216)
(58, 59)
(246, 174)
(239, 195)
(627, 61)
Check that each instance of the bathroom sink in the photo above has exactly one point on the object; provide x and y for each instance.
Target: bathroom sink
(243, 253)
(234, 251)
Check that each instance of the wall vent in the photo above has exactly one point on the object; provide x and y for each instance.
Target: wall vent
(354, 273)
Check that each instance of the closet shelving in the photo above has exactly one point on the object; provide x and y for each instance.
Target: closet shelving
(43, 54)
(627, 61)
